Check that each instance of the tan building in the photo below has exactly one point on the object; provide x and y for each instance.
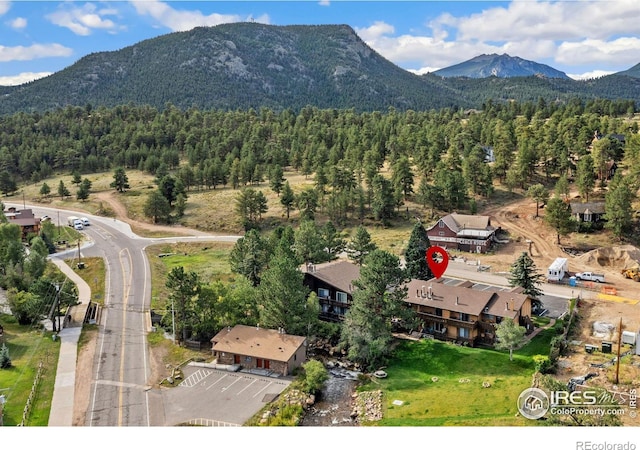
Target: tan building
(260, 348)
(465, 315)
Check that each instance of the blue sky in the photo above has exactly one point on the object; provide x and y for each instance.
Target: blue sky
(581, 38)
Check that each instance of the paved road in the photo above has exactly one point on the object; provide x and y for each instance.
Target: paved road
(120, 394)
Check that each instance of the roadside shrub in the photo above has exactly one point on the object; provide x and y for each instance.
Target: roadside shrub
(315, 374)
(542, 363)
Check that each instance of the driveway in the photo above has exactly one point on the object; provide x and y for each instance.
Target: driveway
(219, 398)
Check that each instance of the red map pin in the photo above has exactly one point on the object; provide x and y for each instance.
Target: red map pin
(437, 260)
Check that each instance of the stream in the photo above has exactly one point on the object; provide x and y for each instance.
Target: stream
(333, 405)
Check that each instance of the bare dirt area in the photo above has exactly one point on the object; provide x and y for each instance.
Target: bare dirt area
(596, 252)
(598, 322)
(140, 227)
(600, 254)
(84, 376)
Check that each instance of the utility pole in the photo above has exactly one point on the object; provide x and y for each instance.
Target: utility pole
(55, 307)
(173, 321)
(618, 358)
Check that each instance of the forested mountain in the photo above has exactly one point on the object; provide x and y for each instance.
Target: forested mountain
(501, 66)
(239, 65)
(632, 72)
(251, 65)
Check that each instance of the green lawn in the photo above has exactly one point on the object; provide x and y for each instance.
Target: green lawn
(27, 347)
(210, 260)
(457, 396)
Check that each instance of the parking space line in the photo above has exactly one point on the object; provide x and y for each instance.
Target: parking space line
(219, 380)
(257, 393)
(227, 387)
(246, 387)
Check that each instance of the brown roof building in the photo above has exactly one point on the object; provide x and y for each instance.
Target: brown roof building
(333, 283)
(260, 348)
(25, 219)
(465, 315)
(463, 232)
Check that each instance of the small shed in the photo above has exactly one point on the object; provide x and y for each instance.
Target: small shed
(558, 269)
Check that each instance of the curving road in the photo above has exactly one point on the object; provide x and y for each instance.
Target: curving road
(120, 388)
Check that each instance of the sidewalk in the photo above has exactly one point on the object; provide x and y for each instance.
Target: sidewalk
(64, 390)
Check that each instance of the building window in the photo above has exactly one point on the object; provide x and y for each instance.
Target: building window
(441, 224)
(463, 333)
(438, 312)
(464, 317)
(323, 293)
(440, 233)
(247, 359)
(341, 297)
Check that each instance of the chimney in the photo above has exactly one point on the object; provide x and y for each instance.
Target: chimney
(506, 306)
(457, 300)
(512, 304)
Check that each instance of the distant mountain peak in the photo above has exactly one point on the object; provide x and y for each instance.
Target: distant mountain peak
(501, 66)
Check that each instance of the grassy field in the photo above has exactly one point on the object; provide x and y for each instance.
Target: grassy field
(93, 274)
(441, 384)
(209, 260)
(27, 348)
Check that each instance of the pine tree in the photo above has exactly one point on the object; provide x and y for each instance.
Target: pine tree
(415, 255)
(120, 180)
(558, 216)
(379, 297)
(360, 246)
(288, 198)
(45, 190)
(283, 296)
(525, 275)
(618, 202)
(5, 360)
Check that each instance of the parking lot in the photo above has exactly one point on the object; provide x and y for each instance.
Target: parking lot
(219, 398)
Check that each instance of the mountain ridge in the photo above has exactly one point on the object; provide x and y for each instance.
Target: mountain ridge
(502, 66)
(251, 65)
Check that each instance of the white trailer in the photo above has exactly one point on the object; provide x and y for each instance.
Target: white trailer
(558, 269)
(71, 221)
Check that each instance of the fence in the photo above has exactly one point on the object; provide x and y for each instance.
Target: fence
(32, 395)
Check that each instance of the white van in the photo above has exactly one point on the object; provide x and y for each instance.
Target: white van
(77, 224)
(85, 221)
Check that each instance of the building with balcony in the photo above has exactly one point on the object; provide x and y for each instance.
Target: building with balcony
(333, 284)
(463, 232)
(465, 315)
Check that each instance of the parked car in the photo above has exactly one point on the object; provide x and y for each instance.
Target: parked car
(78, 225)
(85, 221)
(590, 276)
(45, 218)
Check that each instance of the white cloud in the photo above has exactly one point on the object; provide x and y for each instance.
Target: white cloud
(177, 20)
(595, 51)
(35, 51)
(18, 23)
(82, 21)
(22, 78)
(570, 33)
(4, 7)
(324, 3)
(589, 75)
